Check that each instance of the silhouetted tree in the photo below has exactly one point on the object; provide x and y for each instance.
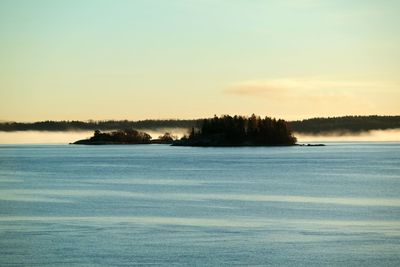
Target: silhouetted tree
(353, 124)
(167, 138)
(240, 130)
(127, 136)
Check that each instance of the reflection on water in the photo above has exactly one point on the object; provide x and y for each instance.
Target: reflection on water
(362, 226)
(139, 205)
(53, 195)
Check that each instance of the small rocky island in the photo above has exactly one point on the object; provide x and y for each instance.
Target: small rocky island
(224, 131)
(124, 137)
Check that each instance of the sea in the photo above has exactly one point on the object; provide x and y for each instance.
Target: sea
(158, 205)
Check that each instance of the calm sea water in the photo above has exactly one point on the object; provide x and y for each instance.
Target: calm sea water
(64, 205)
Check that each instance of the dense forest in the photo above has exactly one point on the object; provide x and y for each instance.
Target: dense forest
(347, 124)
(239, 131)
(127, 137)
(92, 125)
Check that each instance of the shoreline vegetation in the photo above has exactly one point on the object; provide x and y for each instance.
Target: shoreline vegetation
(124, 137)
(316, 126)
(224, 131)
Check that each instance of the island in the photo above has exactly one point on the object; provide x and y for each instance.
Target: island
(124, 137)
(239, 131)
(224, 131)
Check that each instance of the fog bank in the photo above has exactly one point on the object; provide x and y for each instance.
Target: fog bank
(40, 137)
(375, 135)
(44, 137)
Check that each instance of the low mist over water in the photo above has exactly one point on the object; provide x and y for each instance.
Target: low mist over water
(376, 135)
(43, 137)
(46, 137)
(39, 137)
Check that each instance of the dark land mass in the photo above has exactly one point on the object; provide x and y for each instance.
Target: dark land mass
(315, 126)
(108, 125)
(124, 137)
(217, 131)
(345, 125)
(239, 131)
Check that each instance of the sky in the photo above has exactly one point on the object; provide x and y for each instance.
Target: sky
(115, 59)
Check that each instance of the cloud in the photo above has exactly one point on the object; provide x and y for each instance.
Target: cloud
(312, 91)
(258, 87)
(299, 87)
(300, 97)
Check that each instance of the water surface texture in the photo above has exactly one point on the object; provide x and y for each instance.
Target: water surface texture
(64, 205)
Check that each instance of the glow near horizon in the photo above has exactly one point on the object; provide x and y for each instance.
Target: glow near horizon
(189, 59)
(37, 137)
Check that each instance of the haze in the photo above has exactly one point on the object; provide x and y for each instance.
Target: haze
(41, 137)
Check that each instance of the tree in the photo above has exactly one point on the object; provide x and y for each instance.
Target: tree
(239, 130)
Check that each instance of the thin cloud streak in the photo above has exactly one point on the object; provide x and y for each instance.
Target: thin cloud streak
(301, 86)
(308, 97)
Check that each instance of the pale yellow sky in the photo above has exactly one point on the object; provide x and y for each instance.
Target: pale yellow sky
(64, 60)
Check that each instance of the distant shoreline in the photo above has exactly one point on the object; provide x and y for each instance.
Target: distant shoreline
(335, 126)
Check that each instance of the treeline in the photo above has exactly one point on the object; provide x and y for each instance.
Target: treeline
(239, 131)
(344, 125)
(347, 124)
(116, 137)
(91, 125)
(125, 137)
